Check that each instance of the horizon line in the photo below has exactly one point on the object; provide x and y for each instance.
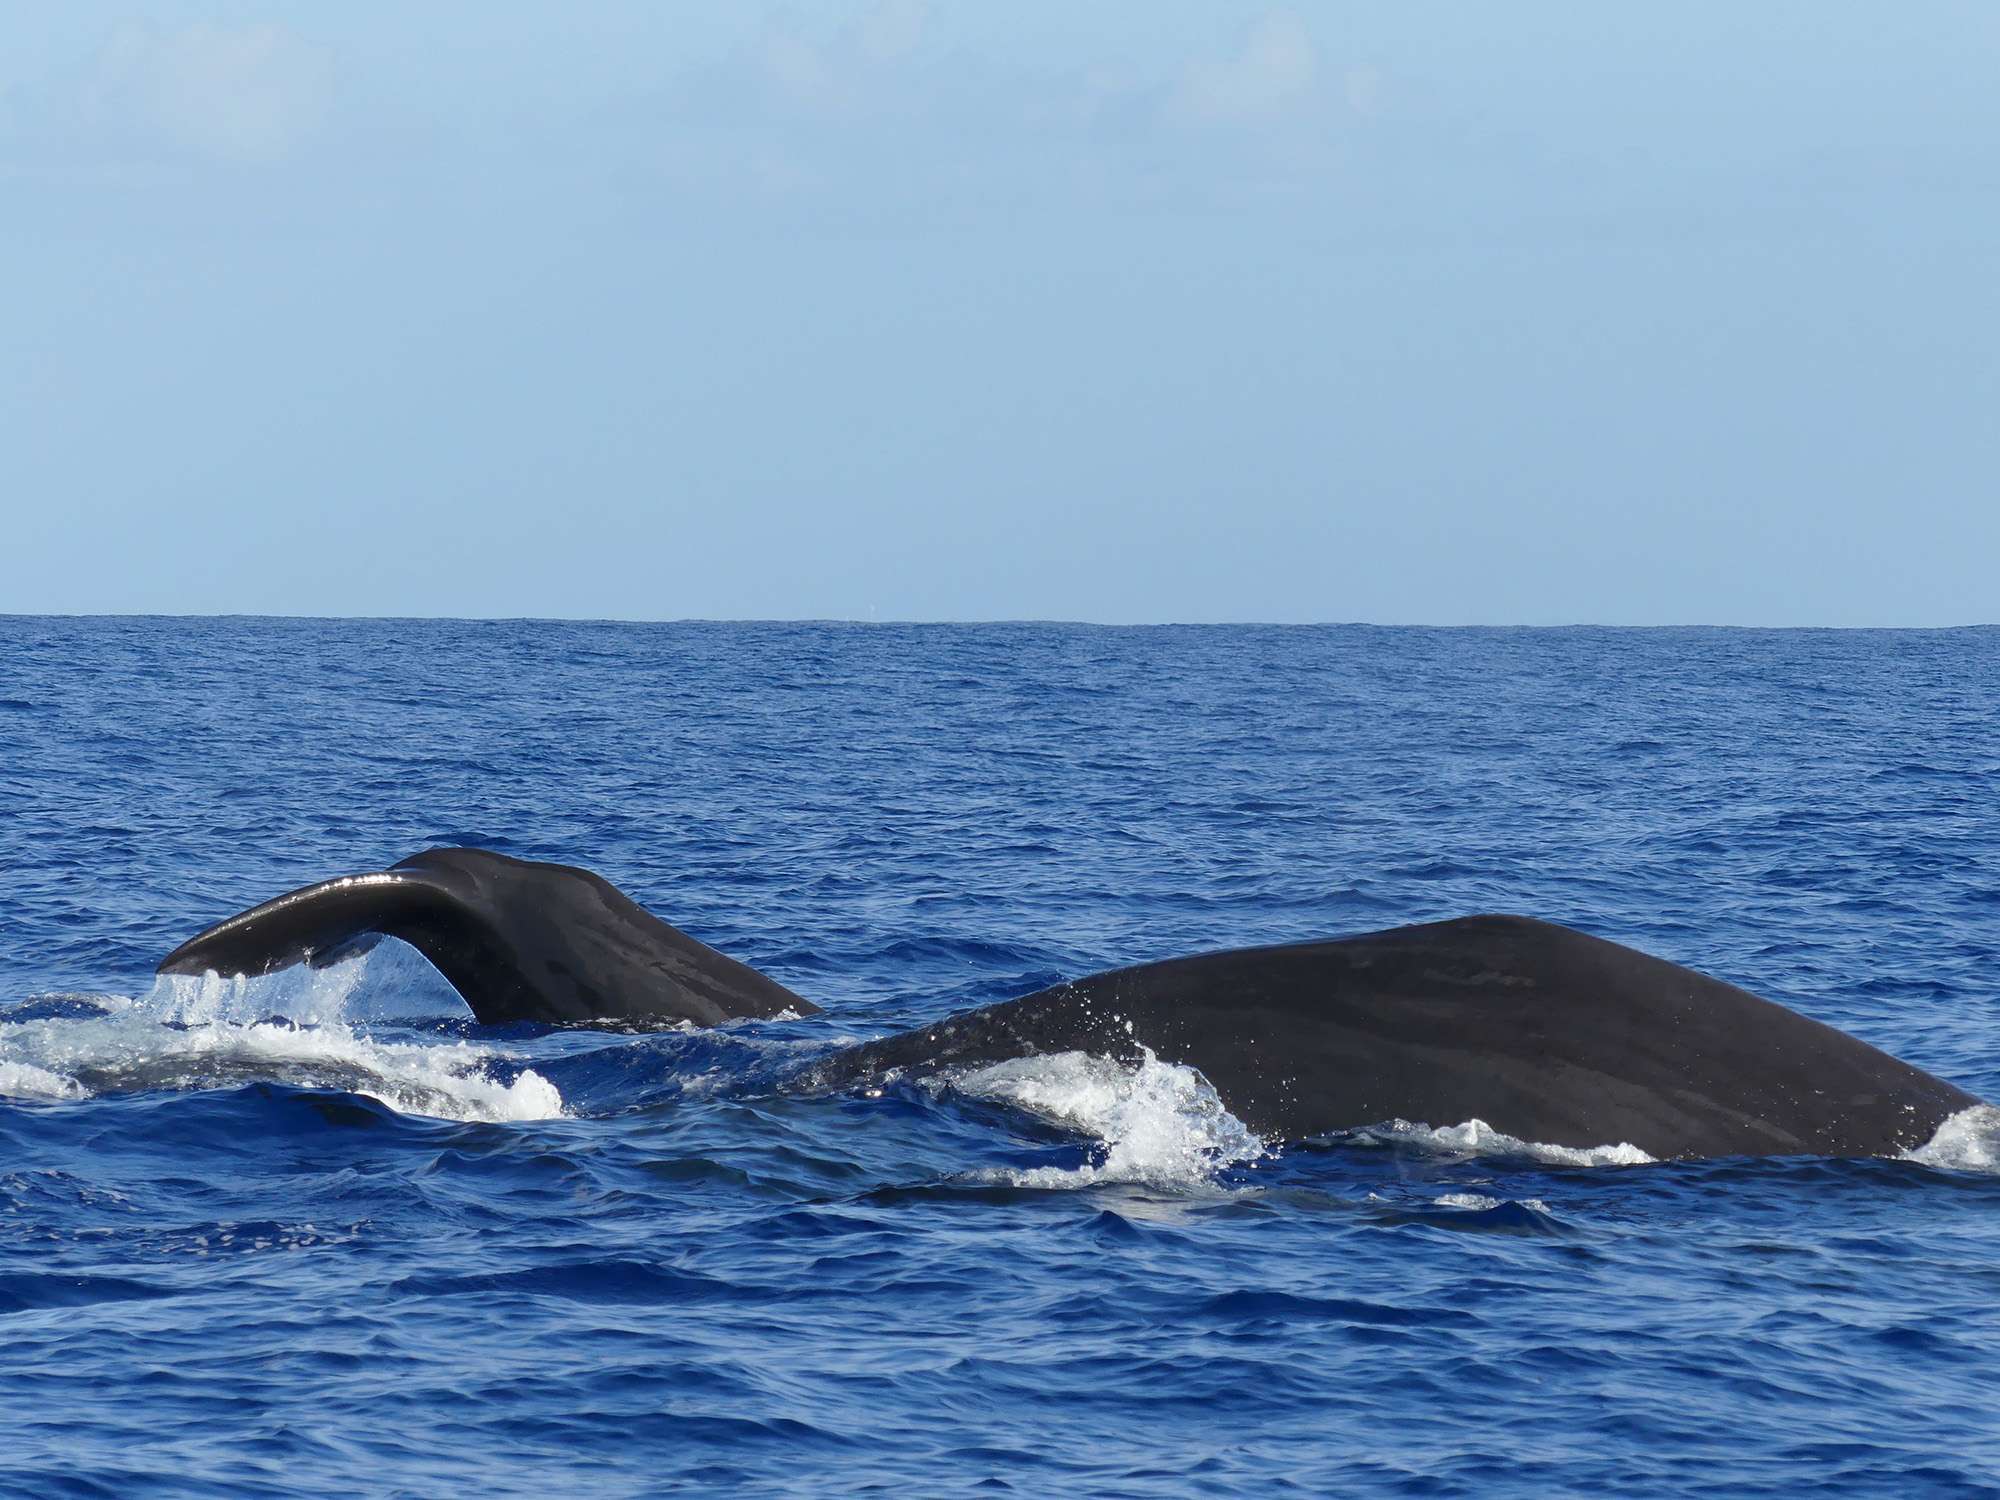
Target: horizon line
(996, 620)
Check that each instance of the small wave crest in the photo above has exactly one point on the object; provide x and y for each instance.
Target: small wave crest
(1477, 1138)
(1160, 1124)
(1967, 1142)
(208, 1032)
(1485, 1202)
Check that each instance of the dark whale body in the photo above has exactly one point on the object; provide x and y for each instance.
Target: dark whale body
(1545, 1034)
(520, 941)
(1549, 1035)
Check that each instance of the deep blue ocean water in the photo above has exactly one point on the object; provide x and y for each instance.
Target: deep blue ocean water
(322, 1233)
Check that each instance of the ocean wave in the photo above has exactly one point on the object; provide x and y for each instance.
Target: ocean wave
(1486, 1202)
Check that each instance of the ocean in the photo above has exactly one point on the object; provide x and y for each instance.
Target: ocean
(322, 1233)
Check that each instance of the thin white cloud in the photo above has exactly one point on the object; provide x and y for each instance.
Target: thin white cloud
(1363, 87)
(891, 30)
(844, 73)
(247, 94)
(1275, 70)
(880, 116)
(803, 73)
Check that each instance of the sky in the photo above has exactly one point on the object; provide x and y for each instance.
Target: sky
(1129, 312)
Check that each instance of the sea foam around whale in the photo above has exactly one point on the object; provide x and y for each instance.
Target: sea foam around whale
(1967, 1142)
(1477, 1138)
(1160, 1124)
(192, 1033)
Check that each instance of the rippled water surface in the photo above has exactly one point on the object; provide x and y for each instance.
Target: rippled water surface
(322, 1233)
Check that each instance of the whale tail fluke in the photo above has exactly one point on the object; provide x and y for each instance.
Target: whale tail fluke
(317, 924)
(518, 940)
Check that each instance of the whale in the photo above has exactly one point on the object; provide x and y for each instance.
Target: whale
(1543, 1033)
(520, 940)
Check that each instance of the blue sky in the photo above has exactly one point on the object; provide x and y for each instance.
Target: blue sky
(1436, 314)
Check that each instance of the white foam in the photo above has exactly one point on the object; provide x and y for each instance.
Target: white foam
(1477, 1138)
(1480, 1202)
(202, 1033)
(400, 984)
(1160, 1123)
(19, 1080)
(1967, 1142)
(1475, 1201)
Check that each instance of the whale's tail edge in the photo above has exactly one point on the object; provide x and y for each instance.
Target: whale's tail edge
(520, 941)
(316, 924)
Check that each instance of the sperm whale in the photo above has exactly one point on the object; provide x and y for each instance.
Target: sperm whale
(1547, 1034)
(520, 940)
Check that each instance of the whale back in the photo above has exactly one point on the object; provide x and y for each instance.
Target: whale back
(1547, 1034)
(518, 939)
(1543, 1033)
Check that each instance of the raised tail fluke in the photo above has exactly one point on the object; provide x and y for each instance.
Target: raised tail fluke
(317, 924)
(519, 940)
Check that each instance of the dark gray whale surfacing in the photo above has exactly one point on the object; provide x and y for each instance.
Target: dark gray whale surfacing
(1549, 1035)
(1545, 1034)
(520, 941)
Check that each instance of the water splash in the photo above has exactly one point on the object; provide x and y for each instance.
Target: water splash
(391, 981)
(1160, 1123)
(1967, 1142)
(20, 1080)
(205, 1033)
(1477, 1138)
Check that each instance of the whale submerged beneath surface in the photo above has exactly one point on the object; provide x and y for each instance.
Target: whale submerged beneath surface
(1545, 1034)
